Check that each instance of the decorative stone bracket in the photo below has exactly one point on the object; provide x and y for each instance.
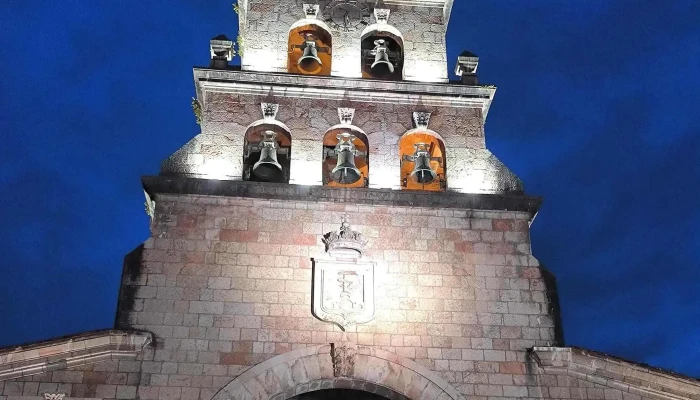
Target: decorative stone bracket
(382, 15)
(269, 111)
(421, 119)
(346, 115)
(311, 11)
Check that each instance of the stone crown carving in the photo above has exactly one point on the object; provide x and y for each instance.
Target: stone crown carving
(345, 243)
(54, 396)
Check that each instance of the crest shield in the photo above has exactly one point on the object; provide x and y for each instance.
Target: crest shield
(343, 292)
(343, 282)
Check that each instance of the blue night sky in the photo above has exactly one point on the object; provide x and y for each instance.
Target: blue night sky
(596, 110)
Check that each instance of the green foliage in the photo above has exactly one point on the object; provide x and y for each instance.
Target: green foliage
(238, 47)
(197, 109)
(239, 44)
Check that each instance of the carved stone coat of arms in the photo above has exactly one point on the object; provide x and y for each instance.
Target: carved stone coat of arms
(343, 289)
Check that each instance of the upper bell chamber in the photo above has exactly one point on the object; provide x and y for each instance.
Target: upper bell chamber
(373, 67)
(346, 38)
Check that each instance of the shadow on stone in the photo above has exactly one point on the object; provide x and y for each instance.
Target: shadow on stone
(127, 294)
(554, 309)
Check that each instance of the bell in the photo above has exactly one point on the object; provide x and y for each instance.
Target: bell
(381, 66)
(422, 173)
(309, 61)
(267, 168)
(345, 171)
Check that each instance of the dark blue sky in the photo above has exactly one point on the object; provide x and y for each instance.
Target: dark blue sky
(596, 110)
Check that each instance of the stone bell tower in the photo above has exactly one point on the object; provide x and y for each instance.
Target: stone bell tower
(338, 229)
(339, 223)
(339, 220)
(339, 78)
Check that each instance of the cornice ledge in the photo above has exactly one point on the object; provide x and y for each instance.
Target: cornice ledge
(338, 88)
(71, 351)
(417, 3)
(180, 185)
(445, 5)
(616, 373)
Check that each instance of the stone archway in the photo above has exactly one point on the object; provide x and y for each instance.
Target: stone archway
(338, 366)
(340, 394)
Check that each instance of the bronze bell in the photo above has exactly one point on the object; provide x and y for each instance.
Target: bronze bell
(345, 171)
(309, 61)
(381, 66)
(422, 172)
(267, 168)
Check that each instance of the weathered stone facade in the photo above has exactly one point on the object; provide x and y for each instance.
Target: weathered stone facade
(221, 301)
(223, 285)
(265, 24)
(308, 108)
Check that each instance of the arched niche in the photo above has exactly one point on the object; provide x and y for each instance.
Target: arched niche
(418, 150)
(342, 135)
(258, 158)
(310, 48)
(375, 38)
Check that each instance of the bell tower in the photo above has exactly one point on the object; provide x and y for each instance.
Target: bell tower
(341, 83)
(337, 230)
(340, 209)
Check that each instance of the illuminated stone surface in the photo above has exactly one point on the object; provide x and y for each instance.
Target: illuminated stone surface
(265, 25)
(222, 289)
(308, 106)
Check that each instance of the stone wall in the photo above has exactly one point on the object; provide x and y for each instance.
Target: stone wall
(224, 284)
(265, 26)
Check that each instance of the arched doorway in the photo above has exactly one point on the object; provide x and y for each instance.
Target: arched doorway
(338, 394)
(345, 366)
